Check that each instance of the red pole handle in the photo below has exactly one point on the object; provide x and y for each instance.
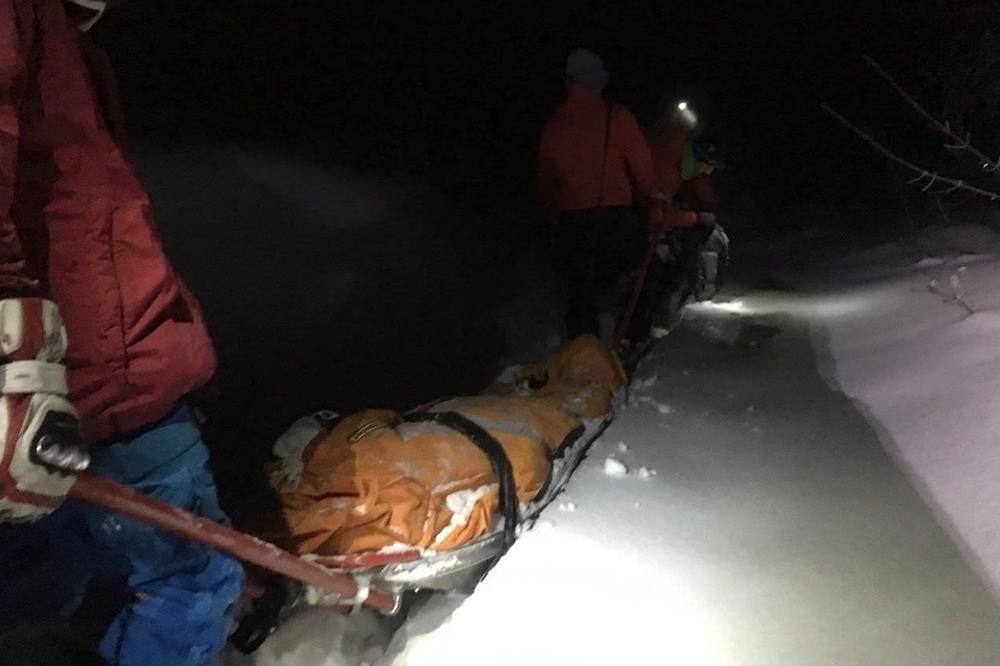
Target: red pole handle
(621, 330)
(183, 524)
(670, 218)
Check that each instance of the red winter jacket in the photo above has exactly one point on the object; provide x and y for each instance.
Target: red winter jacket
(667, 146)
(702, 192)
(75, 224)
(572, 151)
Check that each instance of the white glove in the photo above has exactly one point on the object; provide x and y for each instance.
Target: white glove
(42, 447)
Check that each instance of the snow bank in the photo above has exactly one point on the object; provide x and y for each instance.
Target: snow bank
(925, 366)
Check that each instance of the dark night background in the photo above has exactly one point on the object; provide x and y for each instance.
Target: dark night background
(441, 104)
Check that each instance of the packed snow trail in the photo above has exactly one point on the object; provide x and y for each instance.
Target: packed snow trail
(741, 511)
(775, 530)
(930, 379)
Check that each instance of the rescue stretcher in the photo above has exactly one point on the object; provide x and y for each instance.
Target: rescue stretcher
(382, 577)
(321, 568)
(430, 499)
(461, 568)
(344, 561)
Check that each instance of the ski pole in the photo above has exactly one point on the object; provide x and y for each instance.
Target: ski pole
(125, 501)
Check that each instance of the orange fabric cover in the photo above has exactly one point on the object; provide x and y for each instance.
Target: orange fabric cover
(376, 480)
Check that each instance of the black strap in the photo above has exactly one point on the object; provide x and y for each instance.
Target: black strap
(604, 159)
(489, 445)
(570, 439)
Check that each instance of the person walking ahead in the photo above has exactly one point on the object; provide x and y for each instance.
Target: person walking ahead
(593, 163)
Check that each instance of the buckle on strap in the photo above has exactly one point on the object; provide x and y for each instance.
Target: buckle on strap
(33, 377)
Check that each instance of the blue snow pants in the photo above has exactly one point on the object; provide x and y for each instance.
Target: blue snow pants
(183, 592)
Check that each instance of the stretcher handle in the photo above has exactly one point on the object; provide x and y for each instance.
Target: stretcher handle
(625, 317)
(125, 501)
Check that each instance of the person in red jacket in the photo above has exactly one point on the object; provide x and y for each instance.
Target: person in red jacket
(101, 342)
(666, 143)
(684, 160)
(688, 174)
(692, 246)
(593, 159)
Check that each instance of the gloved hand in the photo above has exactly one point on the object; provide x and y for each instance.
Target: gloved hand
(682, 219)
(662, 199)
(42, 448)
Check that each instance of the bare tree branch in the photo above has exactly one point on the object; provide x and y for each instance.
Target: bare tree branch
(955, 296)
(922, 174)
(957, 142)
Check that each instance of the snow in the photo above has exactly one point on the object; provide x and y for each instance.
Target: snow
(639, 400)
(510, 375)
(640, 384)
(615, 468)
(777, 529)
(395, 548)
(929, 262)
(664, 409)
(645, 473)
(814, 482)
(561, 614)
(931, 379)
(422, 570)
(319, 637)
(288, 450)
(421, 623)
(460, 503)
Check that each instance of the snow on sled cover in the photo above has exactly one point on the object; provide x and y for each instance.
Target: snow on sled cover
(378, 480)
